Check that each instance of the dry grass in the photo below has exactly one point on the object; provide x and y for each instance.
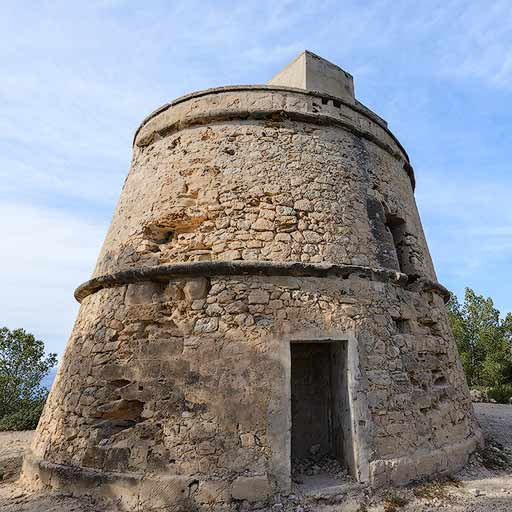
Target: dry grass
(438, 489)
(393, 501)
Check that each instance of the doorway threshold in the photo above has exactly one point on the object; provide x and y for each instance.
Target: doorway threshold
(325, 486)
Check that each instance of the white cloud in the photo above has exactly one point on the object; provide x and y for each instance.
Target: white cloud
(468, 227)
(76, 81)
(45, 255)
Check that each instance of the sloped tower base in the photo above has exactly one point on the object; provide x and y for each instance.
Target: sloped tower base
(265, 290)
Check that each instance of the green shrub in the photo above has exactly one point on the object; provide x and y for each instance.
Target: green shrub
(484, 340)
(24, 419)
(502, 394)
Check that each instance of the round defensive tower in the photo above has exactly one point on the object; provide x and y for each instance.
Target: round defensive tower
(264, 292)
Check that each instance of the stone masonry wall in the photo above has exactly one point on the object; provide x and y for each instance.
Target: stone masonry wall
(254, 190)
(185, 379)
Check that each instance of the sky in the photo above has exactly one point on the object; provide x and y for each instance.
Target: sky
(78, 77)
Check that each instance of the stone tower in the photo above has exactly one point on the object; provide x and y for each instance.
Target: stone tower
(265, 287)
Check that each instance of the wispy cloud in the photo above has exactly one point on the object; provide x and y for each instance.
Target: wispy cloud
(77, 80)
(469, 229)
(45, 254)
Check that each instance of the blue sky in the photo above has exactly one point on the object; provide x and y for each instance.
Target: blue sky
(78, 77)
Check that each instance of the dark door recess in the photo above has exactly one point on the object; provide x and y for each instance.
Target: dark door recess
(318, 399)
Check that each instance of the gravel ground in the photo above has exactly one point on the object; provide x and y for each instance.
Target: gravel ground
(484, 485)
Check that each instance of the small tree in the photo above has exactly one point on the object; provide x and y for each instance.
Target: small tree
(483, 340)
(23, 365)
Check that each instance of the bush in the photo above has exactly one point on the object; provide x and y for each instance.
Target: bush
(23, 366)
(502, 394)
(23, 419)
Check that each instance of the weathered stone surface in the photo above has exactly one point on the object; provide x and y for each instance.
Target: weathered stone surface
(247, 440)
(141, 293)
(196, 288)
(258, 297)
(254, 218)
(254, 488)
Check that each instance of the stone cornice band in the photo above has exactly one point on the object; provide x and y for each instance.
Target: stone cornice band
(358, 106)
(163, 273)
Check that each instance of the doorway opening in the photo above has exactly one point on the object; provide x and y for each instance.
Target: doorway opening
(320, 411)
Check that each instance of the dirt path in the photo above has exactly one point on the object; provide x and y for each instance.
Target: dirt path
(12, 445)
(15, 499)
(484, 485)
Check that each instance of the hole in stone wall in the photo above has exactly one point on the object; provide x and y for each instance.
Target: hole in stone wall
(165, 238)
(412, 278)
(193, 487)
(159, 234)
(440, 380)
(174, 143)
(121, 409)
(336, 103)
(105, 429)
(414, 380)
(396, 227)
(119, 383)
(402, 325)
(325, 101)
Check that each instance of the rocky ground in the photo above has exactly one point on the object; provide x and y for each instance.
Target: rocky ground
(484, 485)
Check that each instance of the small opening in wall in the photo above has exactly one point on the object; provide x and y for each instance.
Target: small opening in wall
(119, 383)
(159, 234)
(193, 487)
(165, 238)
(325, 101)
(396, 227)
(336, 103)
(402, 325)
(439, 379)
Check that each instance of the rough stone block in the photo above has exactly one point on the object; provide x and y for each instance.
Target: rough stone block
(253, 488)
(143, 293)
(259, 297)
(206, 325)
(247, 440)
(196, 288)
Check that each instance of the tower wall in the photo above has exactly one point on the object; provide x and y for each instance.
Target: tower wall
(252, 218)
